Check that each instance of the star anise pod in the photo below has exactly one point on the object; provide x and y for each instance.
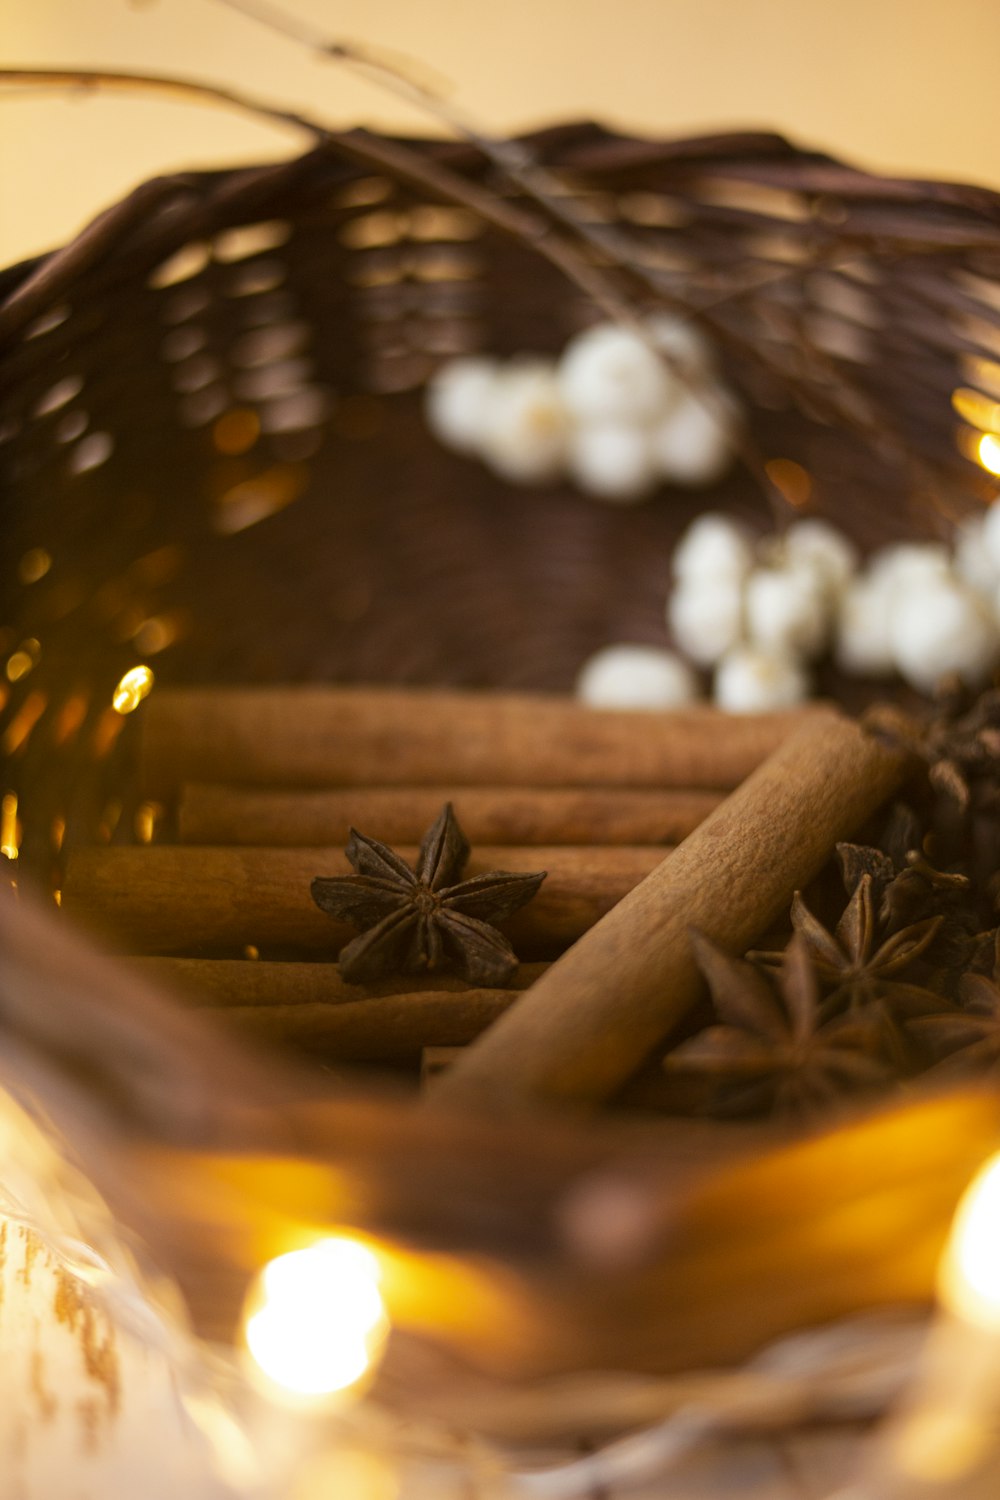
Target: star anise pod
(855, 962)
(773, 1051)
(859, 967)
(906, 889)
(428, 918)
(966, 1039)
(960, 746)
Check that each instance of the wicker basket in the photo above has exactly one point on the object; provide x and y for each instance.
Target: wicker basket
(214, 460)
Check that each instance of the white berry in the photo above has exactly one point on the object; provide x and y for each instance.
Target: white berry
(818, 545)
(609, 373)
(714, 546)
(974, 563)
(910, 565)
(750, 680)
(705, 616)
(612, 460)
(941, 630)
(682, 342)
(526, 427)
(692, 443)
(863, 644)
(458, 400)
(636, 677)
(786, 611)
(991, 533)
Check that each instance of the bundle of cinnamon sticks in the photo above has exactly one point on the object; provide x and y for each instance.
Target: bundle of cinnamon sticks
(646, 823)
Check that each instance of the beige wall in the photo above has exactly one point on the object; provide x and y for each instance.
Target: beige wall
(906, 85)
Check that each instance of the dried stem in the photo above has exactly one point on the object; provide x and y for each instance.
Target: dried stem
(549, 193)
(375, 152)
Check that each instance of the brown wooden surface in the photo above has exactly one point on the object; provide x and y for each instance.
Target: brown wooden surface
(324, 737)
(179, 900)
(210, 813)
(601, 1009)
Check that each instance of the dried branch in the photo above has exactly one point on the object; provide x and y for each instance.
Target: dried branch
(549, 193)
(400, 160)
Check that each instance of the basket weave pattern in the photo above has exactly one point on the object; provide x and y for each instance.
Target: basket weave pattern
(211, 421)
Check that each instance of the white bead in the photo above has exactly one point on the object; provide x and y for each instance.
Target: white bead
(943, 629)
(681, 341)
(636, 677)
(863, 645)
(974, 562)
(692, 444)
(612, 460)
(526, 425)
(818, 545)
(714, 546)
(909, 564)
(786, 611)
(751, 680)
(609, 373)
(991, 533)
(705, 616)
(457, 402)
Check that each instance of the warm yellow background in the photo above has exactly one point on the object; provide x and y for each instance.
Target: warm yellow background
(907, 85)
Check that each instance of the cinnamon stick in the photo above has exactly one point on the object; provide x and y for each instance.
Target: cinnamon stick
(220, 982)
(391, 1030)
(648, 1091)
(325, 736)
(170, 899)
(601, 1009)
(211, 813)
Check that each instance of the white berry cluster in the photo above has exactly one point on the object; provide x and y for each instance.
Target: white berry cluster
(759, 612)
(611, 412)
(927, 612)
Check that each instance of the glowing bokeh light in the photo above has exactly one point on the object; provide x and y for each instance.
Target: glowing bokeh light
(970, 1276)
(133, 687)
(10, 839)
(34, 565)
(316, 1322)
(20, 663)
(791, 480)
(988, 452)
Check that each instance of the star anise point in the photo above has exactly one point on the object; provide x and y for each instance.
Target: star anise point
(427, 918)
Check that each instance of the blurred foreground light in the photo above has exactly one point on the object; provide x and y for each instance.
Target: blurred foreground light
(131, 690)
(943, 1441)
(10, 831)
(988, 453)
(970, 1272)
(315, 1322)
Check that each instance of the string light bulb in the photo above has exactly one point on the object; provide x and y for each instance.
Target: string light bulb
(315, 1323)
(970, 1271)
(988, 452)
(944, 1440)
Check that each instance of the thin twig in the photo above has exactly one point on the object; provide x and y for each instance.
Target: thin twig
(546, 191)
(402, 161)
(375, 152)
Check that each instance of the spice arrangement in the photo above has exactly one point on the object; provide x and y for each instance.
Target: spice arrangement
(217, 901)
(646, 923)
(775, 917)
